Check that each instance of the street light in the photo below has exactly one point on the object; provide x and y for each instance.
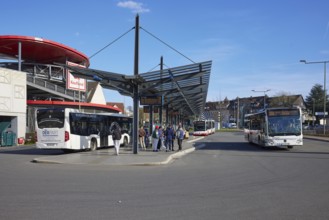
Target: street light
(324, 90)
(265, 91)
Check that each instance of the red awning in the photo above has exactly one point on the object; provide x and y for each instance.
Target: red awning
(38, 50)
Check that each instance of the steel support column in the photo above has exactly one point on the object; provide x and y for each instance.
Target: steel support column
(136, 96)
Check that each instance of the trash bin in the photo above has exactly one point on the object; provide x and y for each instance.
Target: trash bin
(20, 140)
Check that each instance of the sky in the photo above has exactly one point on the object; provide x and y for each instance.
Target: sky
(254, 45)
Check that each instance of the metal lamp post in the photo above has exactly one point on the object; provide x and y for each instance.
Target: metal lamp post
(265, 91)
(324, 90)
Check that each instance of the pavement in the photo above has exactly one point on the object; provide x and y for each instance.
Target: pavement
(147, 157)
(107, 156)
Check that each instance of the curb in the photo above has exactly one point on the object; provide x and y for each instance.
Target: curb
(163, 160)
(167, 161)
(317, 138)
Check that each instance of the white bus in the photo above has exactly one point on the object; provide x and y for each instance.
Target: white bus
(275, 127)
(204, 127)
(69, 129)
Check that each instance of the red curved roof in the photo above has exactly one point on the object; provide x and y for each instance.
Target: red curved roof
(40, 50)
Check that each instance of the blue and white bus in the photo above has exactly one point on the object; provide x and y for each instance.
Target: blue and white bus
(275, 127)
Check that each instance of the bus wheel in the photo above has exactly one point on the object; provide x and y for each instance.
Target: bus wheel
(290, 147)
(259, 141)
(125, 142)
(93, 145)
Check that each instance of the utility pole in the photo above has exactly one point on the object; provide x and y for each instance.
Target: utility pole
(160, 110)
(135, 94)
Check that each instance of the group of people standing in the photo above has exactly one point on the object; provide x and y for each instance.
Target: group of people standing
(161, 138)
(165, 138)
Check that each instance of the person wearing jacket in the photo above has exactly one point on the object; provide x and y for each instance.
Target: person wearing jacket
(161, 138)
(116, 137)
(155, 139)
(142, 134)
(169, 137)
(180, 137)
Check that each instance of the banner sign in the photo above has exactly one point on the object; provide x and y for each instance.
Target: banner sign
(75, 83)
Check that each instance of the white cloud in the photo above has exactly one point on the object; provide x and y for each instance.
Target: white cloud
(324, 52)
(135, 7)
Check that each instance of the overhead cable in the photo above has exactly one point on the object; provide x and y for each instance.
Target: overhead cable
(167, 45)
(111, 43)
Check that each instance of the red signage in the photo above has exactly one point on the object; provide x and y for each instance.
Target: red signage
(75, 83)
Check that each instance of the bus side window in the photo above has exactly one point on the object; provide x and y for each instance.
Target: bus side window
(247, 125)
(256, 125)
(262, 126)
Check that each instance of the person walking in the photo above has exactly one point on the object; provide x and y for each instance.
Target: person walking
(180, 136)
(155, 139)
(116, 137)
(142, 134)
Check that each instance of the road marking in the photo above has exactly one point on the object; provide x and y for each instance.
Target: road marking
(195, 139)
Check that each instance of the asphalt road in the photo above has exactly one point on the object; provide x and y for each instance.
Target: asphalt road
(225, 179)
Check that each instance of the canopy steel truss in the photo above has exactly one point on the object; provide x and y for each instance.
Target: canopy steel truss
(184, 88)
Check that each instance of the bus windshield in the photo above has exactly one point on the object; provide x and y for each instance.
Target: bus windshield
(199, 126)
(284, 125)
(50, 118)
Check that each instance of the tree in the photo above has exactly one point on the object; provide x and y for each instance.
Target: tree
(315, 99)
(282, 93)
(282, 101)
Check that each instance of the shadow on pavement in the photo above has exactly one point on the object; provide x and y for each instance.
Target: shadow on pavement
(23, 150)
(250, 147)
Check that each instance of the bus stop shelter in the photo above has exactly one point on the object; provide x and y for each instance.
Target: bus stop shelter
(182, 89)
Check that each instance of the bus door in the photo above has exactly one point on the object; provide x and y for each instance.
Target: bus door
(104, 132)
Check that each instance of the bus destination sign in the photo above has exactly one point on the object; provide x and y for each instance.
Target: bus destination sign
(151, 100)
(283, 112)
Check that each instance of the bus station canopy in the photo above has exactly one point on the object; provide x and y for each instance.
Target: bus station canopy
(184, 88)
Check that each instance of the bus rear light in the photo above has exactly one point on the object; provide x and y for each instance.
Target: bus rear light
(35, 137)
(67, 136)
